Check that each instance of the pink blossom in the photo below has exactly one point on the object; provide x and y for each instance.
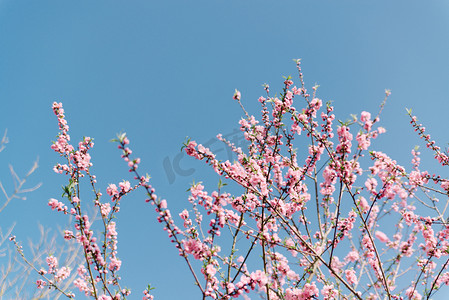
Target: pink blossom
(55, 204)
(62, 274)
(41, 284)
(412, 293)
(111, 232)
(365, 116)
(382, 237)
(52, 264)
(329, 292)
(371, 184)
(105, 209)
(210, 270)
(163, 204)
(351, 277)
(125, 186)
(114, 264)
(352, 256)
(363, 140)
(112, 190)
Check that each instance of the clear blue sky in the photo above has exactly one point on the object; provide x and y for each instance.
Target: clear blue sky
(164, 70)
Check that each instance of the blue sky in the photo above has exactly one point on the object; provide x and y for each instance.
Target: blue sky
(164, 70)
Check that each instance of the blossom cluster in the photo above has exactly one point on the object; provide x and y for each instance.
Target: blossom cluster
(312, 217)
(98, 277)
(334, 219)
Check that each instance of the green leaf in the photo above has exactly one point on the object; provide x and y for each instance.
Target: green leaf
(184, 145)
(221, 184)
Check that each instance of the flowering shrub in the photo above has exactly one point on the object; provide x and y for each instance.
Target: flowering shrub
(322, 222)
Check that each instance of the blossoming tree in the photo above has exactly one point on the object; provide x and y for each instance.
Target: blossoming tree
(317, 215)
